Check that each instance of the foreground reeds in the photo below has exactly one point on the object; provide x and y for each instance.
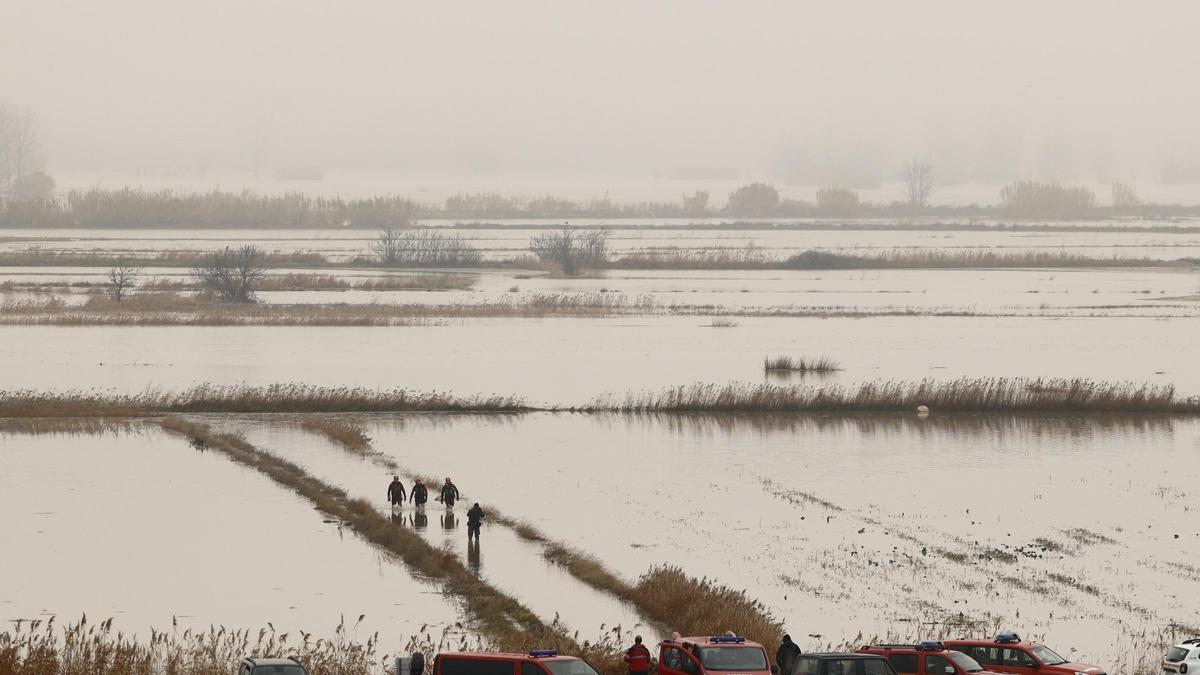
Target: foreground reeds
(975, 395)
(276, 398)
(820, 364)
(38, 648)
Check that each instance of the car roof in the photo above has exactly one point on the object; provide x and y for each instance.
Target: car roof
(272, 662)
(991, 643)
(904, 648)
(841, 655)
(703, 641)
(505, 656)
(1190, 643)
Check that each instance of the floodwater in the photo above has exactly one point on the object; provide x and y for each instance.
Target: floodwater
(885, 526)
(143, 528)
(570, 361)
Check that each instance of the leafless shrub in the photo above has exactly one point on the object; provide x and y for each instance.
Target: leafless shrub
(820, 364)
(424, 248)
(838, 200)
(1031, 198)
(918, 181)
(232, 275)
(572, 249)
(121, 279)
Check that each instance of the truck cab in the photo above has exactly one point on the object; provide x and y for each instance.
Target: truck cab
(715, 655)
(926, 658)
(1008, 653)
(538, 662)
(288, 666)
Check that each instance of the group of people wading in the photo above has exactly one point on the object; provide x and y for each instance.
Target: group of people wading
(419, 495)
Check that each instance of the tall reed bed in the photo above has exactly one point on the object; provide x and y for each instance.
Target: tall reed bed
(37, 257)
(705, 607)
(982, 395)
(275, 398)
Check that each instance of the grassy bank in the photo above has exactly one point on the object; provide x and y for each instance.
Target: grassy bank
(499, 617)
(277, 398)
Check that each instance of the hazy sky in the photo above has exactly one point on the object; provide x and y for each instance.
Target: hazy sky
(1043, 87)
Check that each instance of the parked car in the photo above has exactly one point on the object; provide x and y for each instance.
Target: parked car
(1183, 657)
(711, 656)
(539, 662)
(927, 657)
(841, 663)
(288, 666)
(1008, 653)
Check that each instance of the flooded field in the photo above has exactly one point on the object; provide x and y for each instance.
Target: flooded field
(888, 526)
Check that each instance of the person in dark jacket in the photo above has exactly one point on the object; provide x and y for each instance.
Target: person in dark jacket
(474, 520)
(638, 657)
(449, 493)
(419, 494)
(786, 655)
(396, 494)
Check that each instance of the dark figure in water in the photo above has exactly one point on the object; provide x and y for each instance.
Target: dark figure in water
(449, 522)
(419, 520)
(396, 494)
(474, 520)
(419, 494)
(449, 493)
(787, 655)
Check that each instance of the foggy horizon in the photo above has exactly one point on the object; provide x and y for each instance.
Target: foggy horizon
(797, 94)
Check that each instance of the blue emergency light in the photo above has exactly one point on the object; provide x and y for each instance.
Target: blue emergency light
(726, 640)
(542, 653)
(931, 646)
(1008, 638)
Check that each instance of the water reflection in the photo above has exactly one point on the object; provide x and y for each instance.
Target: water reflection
(1012, 428)
(449, 522)
(420, 521)
(474, 561)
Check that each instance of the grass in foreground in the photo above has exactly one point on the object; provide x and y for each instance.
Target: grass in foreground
(820, 364)
(975, 395)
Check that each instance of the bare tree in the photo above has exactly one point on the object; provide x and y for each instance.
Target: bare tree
(122, 277)
(424, 248)
(570, 248)
(1124, 197)
(23, 141)
(918, 181)
(695, 204)
(387, 245)
(233, 274)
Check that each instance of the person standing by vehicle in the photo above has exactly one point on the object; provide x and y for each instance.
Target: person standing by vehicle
(786, 655)
(474, 520)
(419, 494)
(638, 657)
(449, 494)
(396, 494)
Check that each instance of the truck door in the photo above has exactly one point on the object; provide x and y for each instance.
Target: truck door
(674, 660)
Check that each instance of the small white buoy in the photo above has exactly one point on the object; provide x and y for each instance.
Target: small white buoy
(922, 410)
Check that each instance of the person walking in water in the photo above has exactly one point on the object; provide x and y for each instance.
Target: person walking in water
(638, 657)
(396, 494)
(419, 494)
(474, 520)
(787, 655)
(449, 494)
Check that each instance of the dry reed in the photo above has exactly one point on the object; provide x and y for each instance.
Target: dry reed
(820, 364)
(976, 395)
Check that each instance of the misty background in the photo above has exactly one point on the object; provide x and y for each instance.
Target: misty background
(584, 98)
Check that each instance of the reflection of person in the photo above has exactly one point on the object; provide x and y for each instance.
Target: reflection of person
(448, 521)
(637, 656)
(396, 494)
(786, 655)
(420, 520)
(474, 560)
(419, 494)
(474, 519)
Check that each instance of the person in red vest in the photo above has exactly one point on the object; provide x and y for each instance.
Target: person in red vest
(638, 657)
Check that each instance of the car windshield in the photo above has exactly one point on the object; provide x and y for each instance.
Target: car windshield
(279, 670)
(733, 658)
(1177, 654)
(569, 667)
(1047, 656)
(965, 662)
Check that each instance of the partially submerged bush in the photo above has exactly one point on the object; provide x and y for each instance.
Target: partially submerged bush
(232, 275)
(820, 364)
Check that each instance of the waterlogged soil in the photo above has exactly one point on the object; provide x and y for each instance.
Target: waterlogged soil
(565, 362)
(145, 529)
(849, 528)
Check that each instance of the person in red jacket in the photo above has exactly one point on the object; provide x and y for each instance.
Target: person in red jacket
(638, 657)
